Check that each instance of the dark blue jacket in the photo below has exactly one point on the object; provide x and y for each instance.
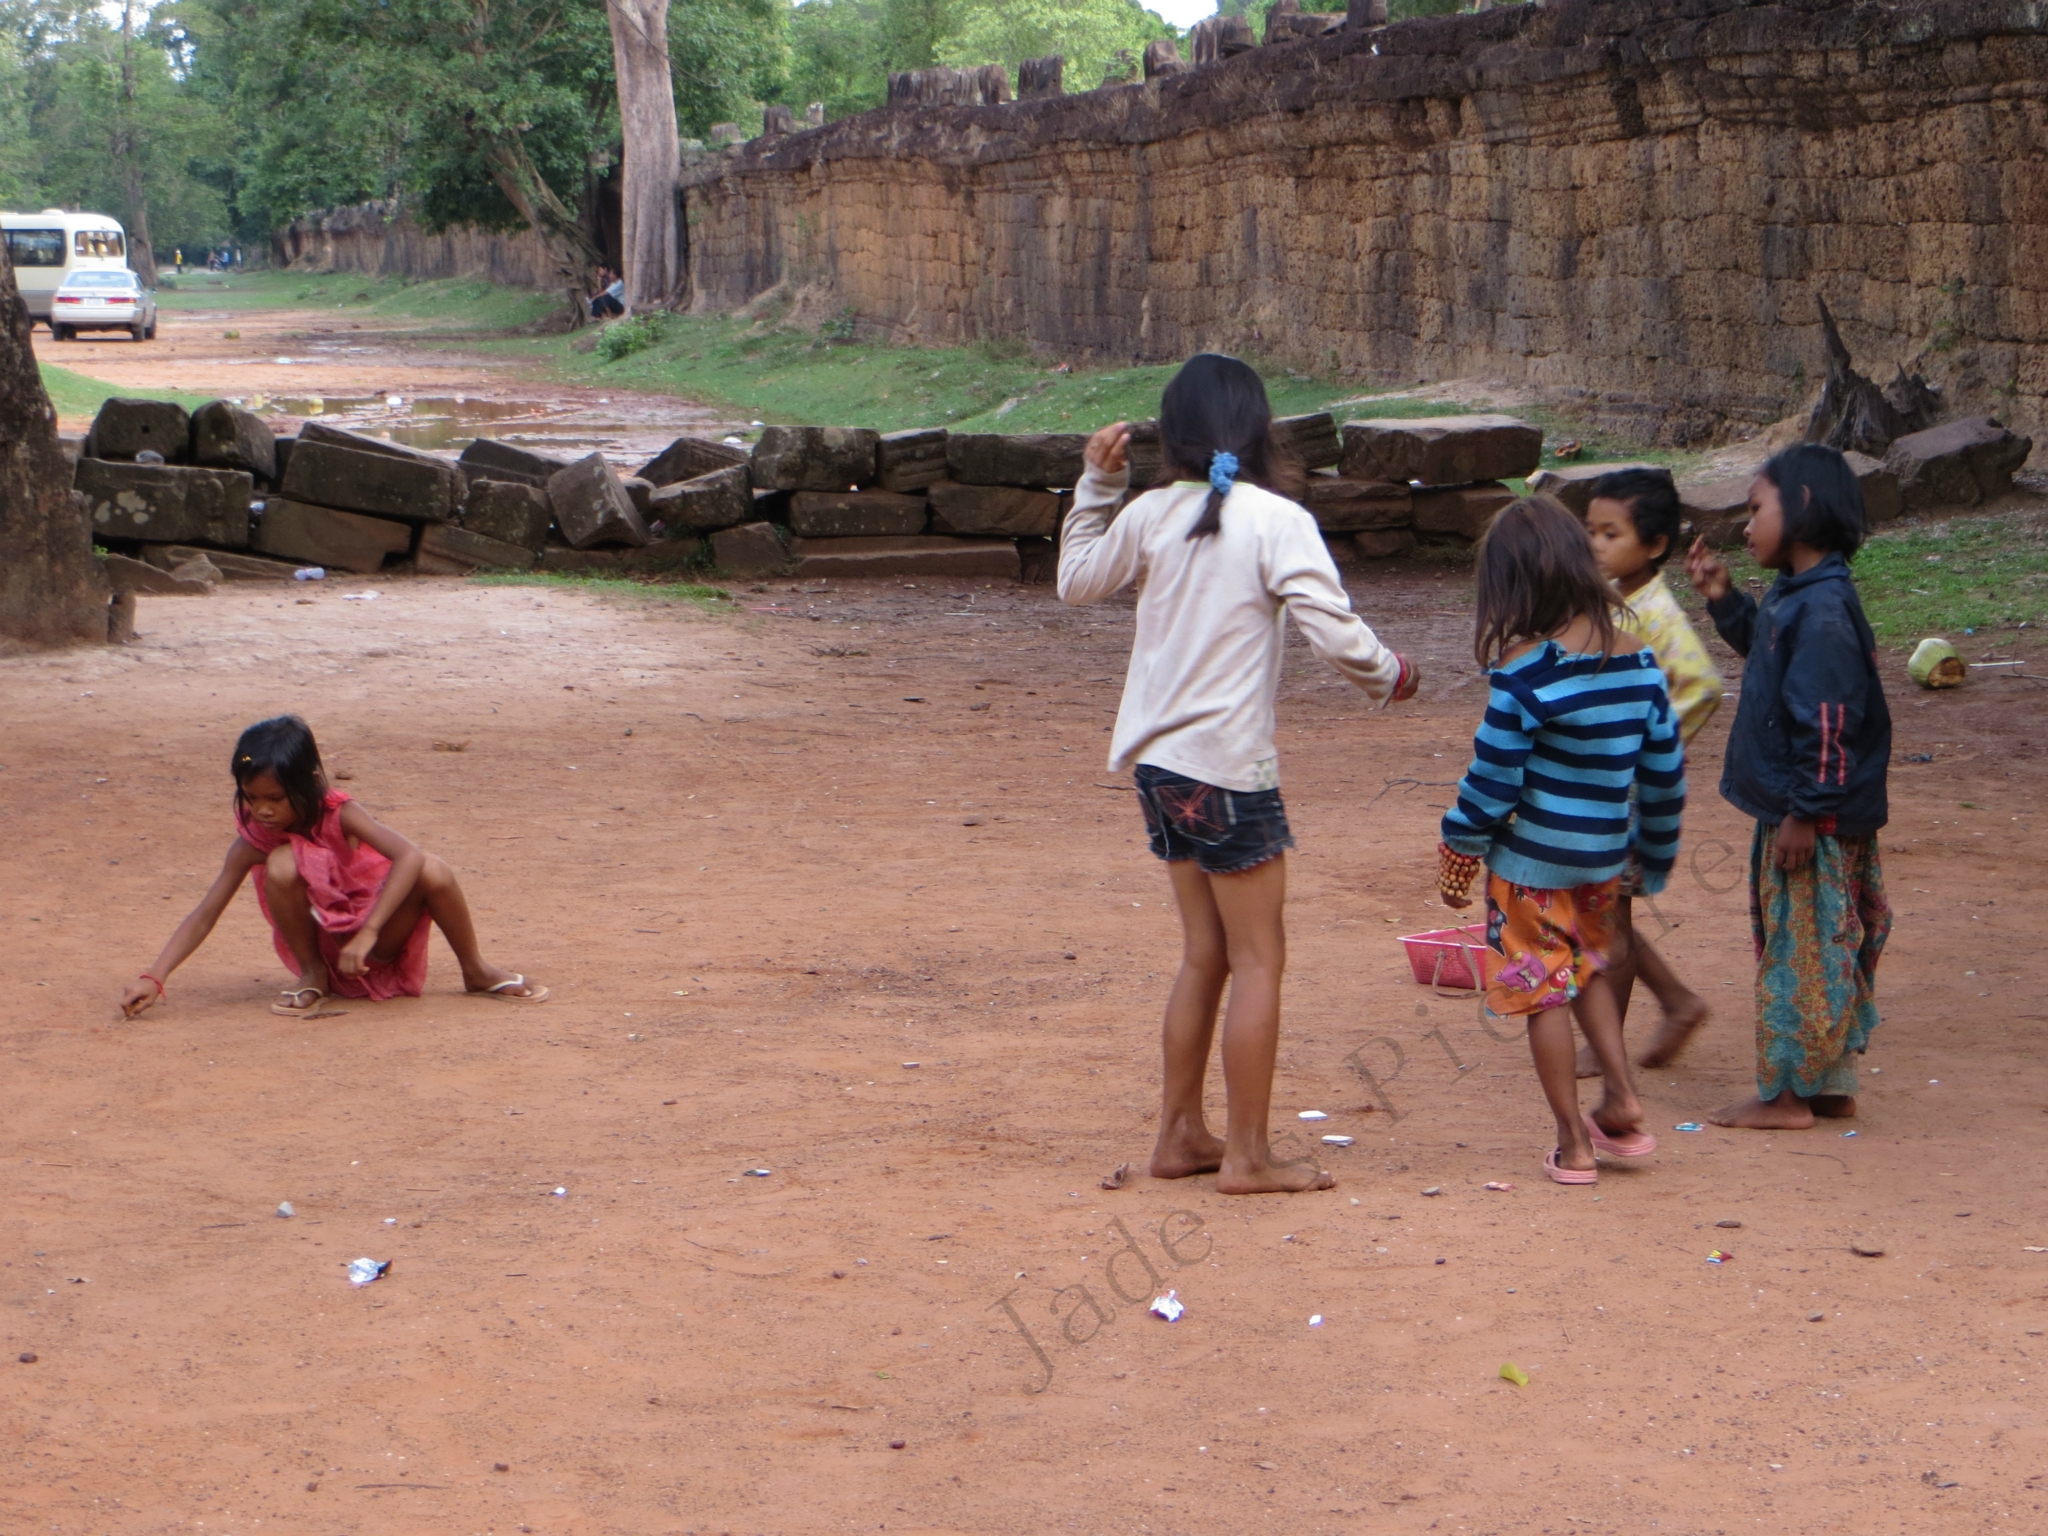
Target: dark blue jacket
(1812, 736)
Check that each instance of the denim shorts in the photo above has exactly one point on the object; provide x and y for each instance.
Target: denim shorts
(1226, 831)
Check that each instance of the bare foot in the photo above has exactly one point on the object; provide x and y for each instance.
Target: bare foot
(1273, 1179)
(1588, 1064)
(1787, 1112)
(1833, 1106)
(1673, 1034)
(1181, 1153)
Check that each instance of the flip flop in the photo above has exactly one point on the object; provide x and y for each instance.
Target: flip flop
(1568, 1175)
(1627, 1144)
(290, 1012)
(538, 995)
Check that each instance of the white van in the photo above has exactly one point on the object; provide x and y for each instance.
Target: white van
(48, 247)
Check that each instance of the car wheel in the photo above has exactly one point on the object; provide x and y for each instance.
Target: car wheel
(61, 332)
(135, 333)
(149, 332)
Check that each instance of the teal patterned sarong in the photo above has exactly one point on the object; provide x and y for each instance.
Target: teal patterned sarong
(1819, 932)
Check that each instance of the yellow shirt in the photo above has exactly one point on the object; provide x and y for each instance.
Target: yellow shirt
(1689, 675)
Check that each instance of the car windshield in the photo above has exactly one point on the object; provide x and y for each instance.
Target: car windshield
(101, 280)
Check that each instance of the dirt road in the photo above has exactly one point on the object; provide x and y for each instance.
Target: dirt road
(837, 887)
(409, 385)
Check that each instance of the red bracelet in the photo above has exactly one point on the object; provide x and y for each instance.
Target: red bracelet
(145, 976)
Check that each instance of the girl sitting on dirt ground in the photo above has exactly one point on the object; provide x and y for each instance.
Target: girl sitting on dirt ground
(348, 899)
(1576, 715)
(1221, 561)
(1808, 757)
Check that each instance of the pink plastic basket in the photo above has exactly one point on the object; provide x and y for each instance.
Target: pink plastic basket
(1451, 959)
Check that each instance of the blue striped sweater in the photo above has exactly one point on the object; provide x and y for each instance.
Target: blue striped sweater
(1546, 800)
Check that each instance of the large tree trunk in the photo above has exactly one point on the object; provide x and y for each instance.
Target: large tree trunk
(127, 155)
(654, 157)
(52, 591)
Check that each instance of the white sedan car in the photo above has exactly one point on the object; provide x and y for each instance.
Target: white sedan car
(105, 300)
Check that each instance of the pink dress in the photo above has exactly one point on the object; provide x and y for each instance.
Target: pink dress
(342, 882)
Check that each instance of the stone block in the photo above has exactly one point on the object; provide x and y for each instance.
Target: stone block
(1441, 450)
(1147, 455)
(855, 514)
(706, 503)
(752, 549)
(166, 503)
(1312, 439)
(232, 565)
(285, 445)
(189, 580)
(1717, 509)
(1384, 544)
(815, 458)
(468, 549)
(325, 474)
(1882, 499)
(913, 460)
(511, 511)
(1461, 510)
(488, 459)
(1957, 464)
(641, 493)
(346, 541)
(1572, 484)
(123, 428)
(224, 436)
(688, 457)
(664, 557)
(1050, 459)
(363, 442)
(955, 559)
(994, 510)
(592, 507)
(1351, 506)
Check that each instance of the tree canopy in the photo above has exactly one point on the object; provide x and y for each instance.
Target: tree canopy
(200, 121)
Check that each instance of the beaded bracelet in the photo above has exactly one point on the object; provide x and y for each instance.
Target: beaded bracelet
(1454, 874)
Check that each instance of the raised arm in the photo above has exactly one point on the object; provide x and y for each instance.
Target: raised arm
(1733, 612)
(1098, 557)
(141, 994)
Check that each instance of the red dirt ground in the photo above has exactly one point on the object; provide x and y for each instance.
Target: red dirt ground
(754, 874)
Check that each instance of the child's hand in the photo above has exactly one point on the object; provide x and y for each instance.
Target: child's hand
(1455, 873)
(140, 996)
(1795, 844)
(355, 954)
(1707, 571)
(1411, 680)
(1109, 449)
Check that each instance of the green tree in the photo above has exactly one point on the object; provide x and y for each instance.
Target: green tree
(1088, 33)
(19, 181)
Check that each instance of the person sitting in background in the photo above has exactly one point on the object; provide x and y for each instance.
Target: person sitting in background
(610, 302)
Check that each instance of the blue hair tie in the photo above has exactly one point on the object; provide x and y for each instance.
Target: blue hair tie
(1222, 472)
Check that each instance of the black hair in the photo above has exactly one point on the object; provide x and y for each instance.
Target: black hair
(1652, 501)
(283, 748)
(1822, 498)
(1217, 404)
(1536, 575)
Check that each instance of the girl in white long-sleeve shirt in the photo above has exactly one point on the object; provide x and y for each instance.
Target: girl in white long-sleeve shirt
(1220, 562)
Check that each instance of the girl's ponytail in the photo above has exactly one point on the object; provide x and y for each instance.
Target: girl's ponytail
(1214, 420)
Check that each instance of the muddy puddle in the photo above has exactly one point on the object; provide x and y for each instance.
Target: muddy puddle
(628, 430)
